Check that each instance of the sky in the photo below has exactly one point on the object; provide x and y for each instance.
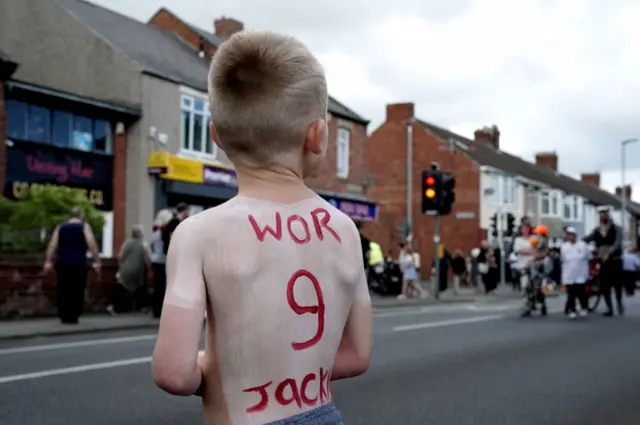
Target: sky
(553, 75)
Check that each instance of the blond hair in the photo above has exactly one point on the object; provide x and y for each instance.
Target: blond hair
(265, 89)
(162, 217)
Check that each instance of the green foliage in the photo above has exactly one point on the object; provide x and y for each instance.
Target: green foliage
(26, 225)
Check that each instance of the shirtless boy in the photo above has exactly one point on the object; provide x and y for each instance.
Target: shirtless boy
(278, 270)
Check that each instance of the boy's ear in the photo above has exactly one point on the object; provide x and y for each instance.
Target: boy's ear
(316, 137)
(214, 136)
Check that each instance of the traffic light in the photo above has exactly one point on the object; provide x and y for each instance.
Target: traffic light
(431, 191)
(493, 226)
(448, 193)
(511, 225)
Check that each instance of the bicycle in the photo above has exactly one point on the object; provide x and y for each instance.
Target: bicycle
(594, 292)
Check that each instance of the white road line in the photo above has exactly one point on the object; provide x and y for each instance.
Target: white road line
(74, 369)
(443, 323)
(75, 344)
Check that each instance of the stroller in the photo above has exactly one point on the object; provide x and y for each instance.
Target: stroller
(534, 281)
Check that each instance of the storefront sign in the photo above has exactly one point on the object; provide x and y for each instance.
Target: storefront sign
(220, 176)
(356, 209)
(173, 167)
(31, 166)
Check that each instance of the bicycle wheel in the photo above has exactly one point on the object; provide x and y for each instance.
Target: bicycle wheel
(594, 295)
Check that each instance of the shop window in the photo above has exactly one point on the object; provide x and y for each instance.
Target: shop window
(195, 137)
(33, 123)
(344, 136)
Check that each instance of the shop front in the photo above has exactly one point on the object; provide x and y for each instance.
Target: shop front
(204, 185)
(31, 166)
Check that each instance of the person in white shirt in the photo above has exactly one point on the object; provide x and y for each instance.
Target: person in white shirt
(630, 268)
(523, 255)
(574, 256)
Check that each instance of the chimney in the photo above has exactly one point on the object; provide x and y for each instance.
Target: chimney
(400, 111)
(226, 27)
(547, 159)
(591, 178)
(627, 191)
(488, 135)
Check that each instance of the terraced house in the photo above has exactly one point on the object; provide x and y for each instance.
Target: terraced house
(127, 99)
(488, 180)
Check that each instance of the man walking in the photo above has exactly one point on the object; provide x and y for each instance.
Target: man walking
(608, 240)
(71, 240)
(182, 212)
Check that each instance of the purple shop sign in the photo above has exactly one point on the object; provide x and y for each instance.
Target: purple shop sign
(219, 176)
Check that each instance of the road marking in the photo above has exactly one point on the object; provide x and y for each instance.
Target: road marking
(444, 323)
(75, 344)
(76, 369)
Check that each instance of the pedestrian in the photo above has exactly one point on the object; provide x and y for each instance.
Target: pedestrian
(70, 242)
(158, 260)
(607, 238)
(410, 281)
(182, 212)
(630, 268)
(524, 255)
(278, 269)
(134, 261)
(574, 256)
(459, 270)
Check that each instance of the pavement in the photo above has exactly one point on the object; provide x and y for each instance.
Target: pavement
(449, 364)
(44, 327)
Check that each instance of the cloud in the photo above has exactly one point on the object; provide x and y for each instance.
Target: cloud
(552, 74)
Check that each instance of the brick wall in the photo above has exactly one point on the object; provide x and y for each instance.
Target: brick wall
(26, 292)
(386, 161)
(326, 177)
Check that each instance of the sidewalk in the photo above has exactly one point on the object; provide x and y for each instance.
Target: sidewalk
(32, 328)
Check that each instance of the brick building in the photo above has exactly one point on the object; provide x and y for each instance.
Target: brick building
(387, 162)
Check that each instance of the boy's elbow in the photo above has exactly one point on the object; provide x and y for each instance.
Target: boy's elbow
(171, 382)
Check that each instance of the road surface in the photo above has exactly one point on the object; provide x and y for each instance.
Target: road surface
(468, 364)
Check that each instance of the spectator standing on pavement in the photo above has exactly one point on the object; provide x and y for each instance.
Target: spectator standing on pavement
(574, 256)
(182, 212)
(70, 241)
(631, 267)
(459, 270)
(134, 261)
(158, 260)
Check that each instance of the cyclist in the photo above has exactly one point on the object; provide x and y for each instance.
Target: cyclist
(607, 237)
(538, 271)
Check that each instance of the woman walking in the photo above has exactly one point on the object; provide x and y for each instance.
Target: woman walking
(409, 273)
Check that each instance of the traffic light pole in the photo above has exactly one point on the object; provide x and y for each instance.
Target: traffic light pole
(436, 255)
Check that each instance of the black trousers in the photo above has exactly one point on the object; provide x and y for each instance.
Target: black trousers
(71, 281)
(124, 301)
(611, 278)
(576, 291)
(629, 279)
(159, 288)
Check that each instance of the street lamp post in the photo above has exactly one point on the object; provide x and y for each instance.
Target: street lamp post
(623, 192)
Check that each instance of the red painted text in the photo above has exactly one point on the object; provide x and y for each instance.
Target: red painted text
(318, 309)
(297, 227)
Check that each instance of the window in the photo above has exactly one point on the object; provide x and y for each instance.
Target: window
(343, 152)
(545, 207)
(194, 126)
(33, 123)
(554, 203)
(568, 212)
(508, 189)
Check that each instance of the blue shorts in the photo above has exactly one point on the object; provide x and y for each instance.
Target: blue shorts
(327, 414)
(410, 274)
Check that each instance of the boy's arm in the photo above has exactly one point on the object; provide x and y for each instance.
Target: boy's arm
(175, 359)
(354, 353)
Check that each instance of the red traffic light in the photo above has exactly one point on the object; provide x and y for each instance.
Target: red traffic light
(430, 181)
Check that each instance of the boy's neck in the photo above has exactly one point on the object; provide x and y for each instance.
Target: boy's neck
(274, 184)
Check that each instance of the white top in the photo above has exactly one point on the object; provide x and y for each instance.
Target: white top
(575, 262)
(157, 248)
(406, 261)
(519, 244)
(630, 261)
(279, 281)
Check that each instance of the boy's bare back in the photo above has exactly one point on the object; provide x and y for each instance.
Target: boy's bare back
(278, 270)
(281, 280)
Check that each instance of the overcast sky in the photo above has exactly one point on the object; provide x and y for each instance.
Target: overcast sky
(559, 75)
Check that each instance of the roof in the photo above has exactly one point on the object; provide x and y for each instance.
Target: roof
(4, 57)
(484, 154)
(158, 52)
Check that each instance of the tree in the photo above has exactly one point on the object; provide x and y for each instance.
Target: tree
(28, 224)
